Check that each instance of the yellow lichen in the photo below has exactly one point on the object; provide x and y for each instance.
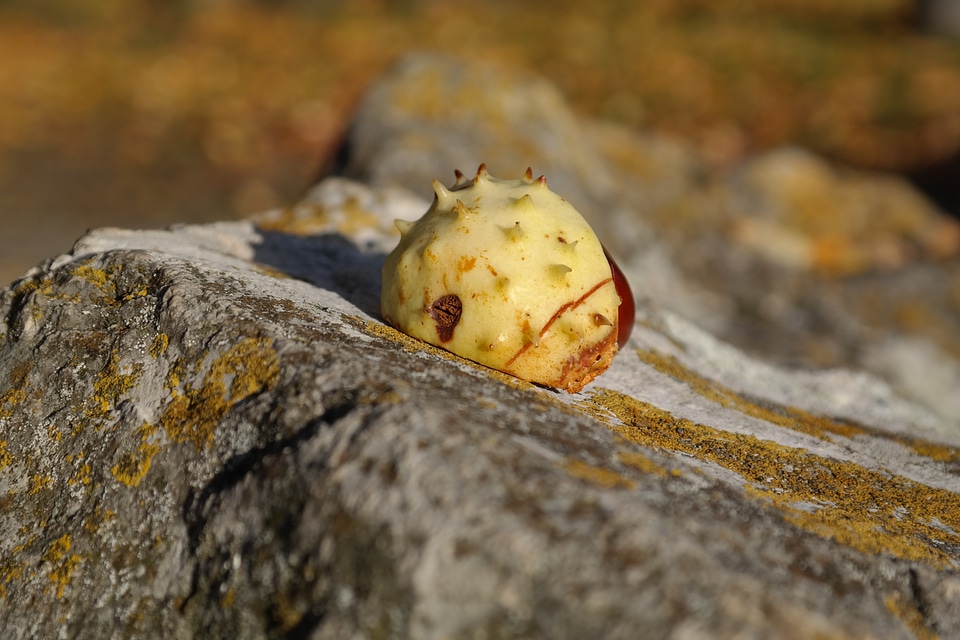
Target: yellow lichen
(110, 385)
(95, 276)
(193, 413)
(104, 279)
(81, 473)
(134, 466)
(159, 346)
(53, 432)
(898, 605)
(99, 517)
(10, 570)
(226, 600)
(314, 218)
(596, 475)
(174, 374)
(783, 416)
(872, 511)
(64, 565)
(287, 610)
(644, 464)
(39, 482)
(17, 392)
(139, 292)
(6, 458)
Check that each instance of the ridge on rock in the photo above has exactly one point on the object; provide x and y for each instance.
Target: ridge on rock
(207, 431)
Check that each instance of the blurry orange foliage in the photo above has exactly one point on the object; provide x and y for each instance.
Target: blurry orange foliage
(245, 98)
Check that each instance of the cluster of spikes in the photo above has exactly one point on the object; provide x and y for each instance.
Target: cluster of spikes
(442, 193)
(463, 181)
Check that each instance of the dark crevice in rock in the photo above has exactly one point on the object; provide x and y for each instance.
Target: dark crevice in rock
(920, 600)
(304, 629)
(201, 504)
(239, 466)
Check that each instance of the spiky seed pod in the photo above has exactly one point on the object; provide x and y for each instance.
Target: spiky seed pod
(508, 274)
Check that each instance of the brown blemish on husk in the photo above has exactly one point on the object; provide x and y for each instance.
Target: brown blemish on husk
(446, 311)
(580, 369)
(569, 306)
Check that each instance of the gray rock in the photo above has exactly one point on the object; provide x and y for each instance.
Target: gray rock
(208, 432)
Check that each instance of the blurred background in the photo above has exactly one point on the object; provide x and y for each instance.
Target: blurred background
(142, 113)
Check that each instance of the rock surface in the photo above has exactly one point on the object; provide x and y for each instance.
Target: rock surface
(208, 432)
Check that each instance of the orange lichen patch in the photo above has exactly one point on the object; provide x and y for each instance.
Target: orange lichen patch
(193, 413)
(784, 416)
(109, 387)
(63, 565)
(38, 482)
(596, 475)
(313, 218)
(6, 458)
(872, 511)
(16, 393)
(160, 344)
(845, 222)
(10, 571)
(644, 464)
(132, 467)
(81, 474)
(99, 517)
(839, 256)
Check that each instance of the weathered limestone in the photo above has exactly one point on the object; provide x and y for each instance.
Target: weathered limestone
(208, 432)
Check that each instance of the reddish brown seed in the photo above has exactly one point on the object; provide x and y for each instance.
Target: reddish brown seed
(628, 309)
